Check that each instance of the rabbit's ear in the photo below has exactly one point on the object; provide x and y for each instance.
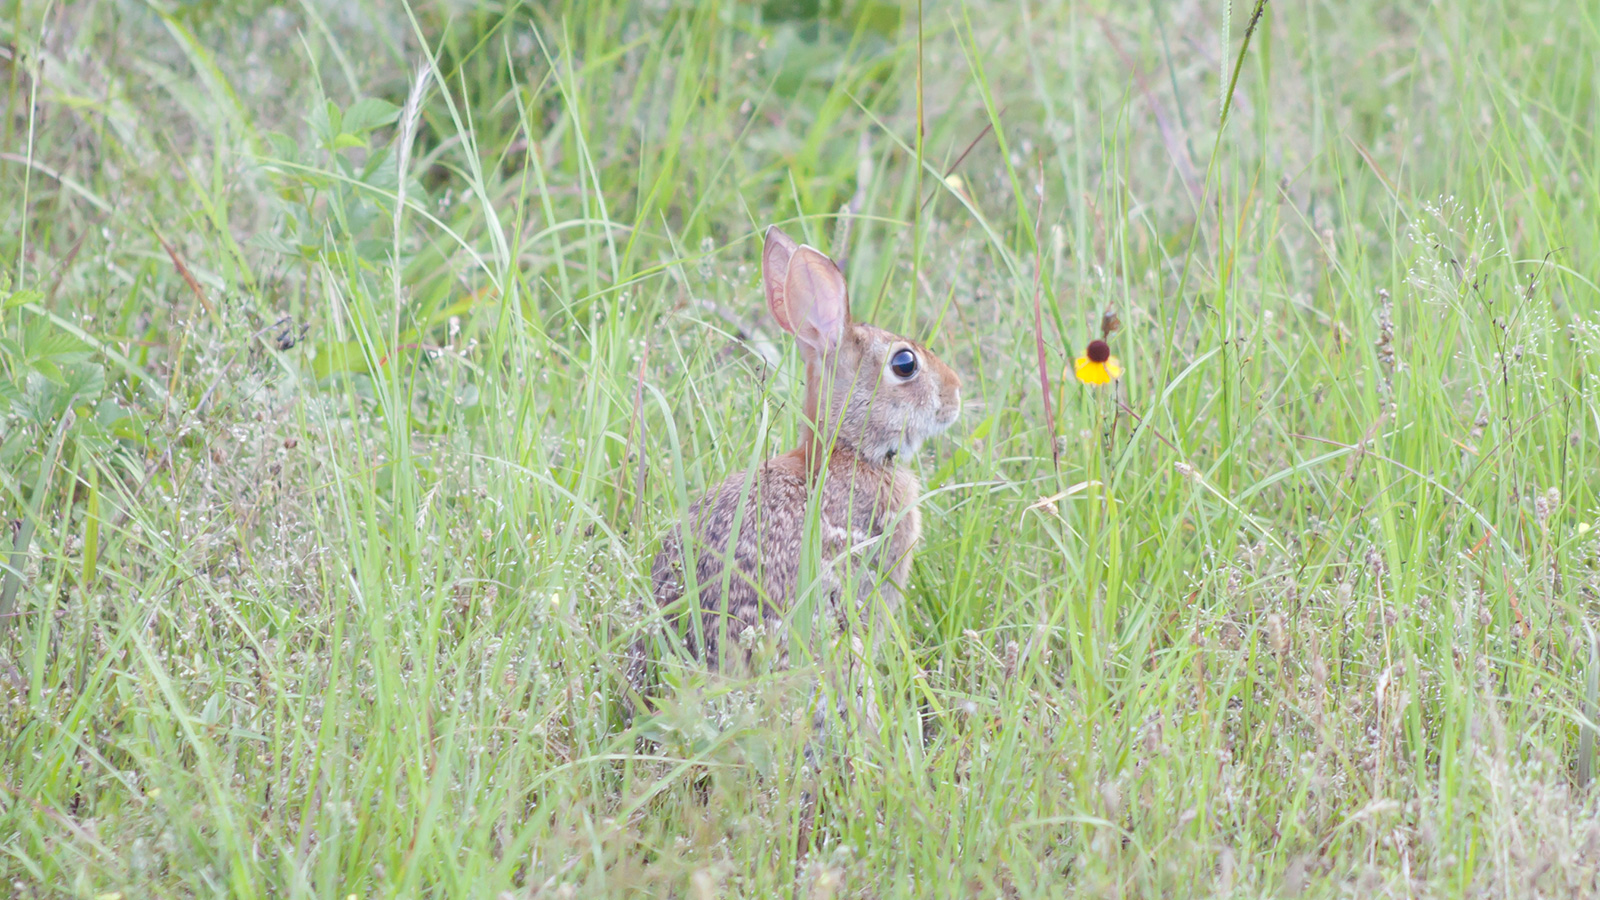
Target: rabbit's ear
(774, 268)
(814, 298)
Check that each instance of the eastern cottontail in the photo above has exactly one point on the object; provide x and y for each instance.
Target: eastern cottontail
(870, 396)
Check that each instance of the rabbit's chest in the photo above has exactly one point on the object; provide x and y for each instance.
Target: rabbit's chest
(870, 515)
(869, 532)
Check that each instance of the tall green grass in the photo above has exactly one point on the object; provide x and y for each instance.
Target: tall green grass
(353, 360)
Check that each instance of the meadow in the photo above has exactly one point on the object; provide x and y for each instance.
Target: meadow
(354, 358)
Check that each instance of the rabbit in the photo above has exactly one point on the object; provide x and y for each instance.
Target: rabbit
(871, 396)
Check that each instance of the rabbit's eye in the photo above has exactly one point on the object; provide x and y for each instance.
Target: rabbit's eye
(904, 363)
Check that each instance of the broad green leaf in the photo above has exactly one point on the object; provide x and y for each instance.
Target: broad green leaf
(59, 347)
(283, 147)
(18, 298)
(369, 113)
(50, 371)
(324, 119)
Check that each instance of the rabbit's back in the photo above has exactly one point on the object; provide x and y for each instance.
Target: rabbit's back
(765, 558)
(859, 502)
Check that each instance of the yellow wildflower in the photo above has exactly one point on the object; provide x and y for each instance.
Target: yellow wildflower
(1097, 365)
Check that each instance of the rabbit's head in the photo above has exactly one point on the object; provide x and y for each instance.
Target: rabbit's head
(867, 390)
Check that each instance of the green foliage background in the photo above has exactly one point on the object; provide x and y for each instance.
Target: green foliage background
(335, 441)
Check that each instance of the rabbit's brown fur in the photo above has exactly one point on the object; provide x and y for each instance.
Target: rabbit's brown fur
(860, 414)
